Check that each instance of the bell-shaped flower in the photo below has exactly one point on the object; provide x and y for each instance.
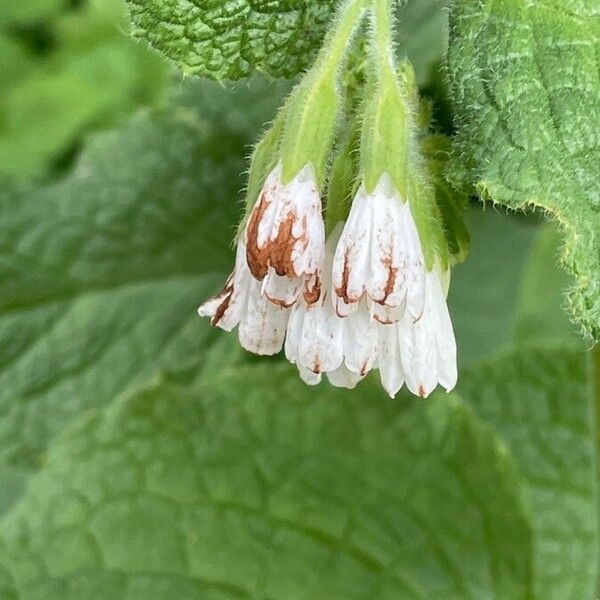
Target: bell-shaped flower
(285, 235)
(262, 324)
(428, 346)
(379, 257)
(319, 341)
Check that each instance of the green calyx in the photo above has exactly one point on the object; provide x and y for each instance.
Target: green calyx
(342, 179)
(265, 156)
(358, 100)
(315, 105)
(393, 128)
(385, 137)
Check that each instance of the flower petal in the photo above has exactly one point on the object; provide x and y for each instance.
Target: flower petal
(388, 359)
(285, 229)
(360, 342)
(308, 376)
(281, 290)
(262, 327)
(352, 255)
(344, 378)
(416, 273)
(226, 308)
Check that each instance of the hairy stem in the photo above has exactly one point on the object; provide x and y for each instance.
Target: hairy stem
(595, 404)
(337, 42)
(383, 36)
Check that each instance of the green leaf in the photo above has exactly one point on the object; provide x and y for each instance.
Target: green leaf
(12, 484)
(26, 11)
(484, 292)
(274, 490)
(101, 273)
(526, 94)
(65, 71)
(7, 589)
(540, 311)
(538, 400)
(229, 39)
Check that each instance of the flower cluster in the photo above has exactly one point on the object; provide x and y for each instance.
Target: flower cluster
(348, 275)
(360, 300)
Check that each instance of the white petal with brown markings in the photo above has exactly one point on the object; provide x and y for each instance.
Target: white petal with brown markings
(285, 234)
(379, 256)
(262, 324)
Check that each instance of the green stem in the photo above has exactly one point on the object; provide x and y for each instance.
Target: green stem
(383, 36)
(337, 41)
(315, 104)
(595, 404)
(595, 361)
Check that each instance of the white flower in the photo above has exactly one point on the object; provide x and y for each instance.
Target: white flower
(285, 235)
(262, 324)
(420, 353)
(342, 377)
(428, 346)
(388, 358)
(319, 341)
(379, 256)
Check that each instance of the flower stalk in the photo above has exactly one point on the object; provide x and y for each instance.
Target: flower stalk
(343, 263)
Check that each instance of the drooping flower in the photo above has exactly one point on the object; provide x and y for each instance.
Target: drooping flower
(285, 236)
(371, 296)
(319, 341)
(379, 257)
(261, 323)
(428, 346)
(420, 353)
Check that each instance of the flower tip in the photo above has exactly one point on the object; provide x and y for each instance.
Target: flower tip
(392, 390)
(449, 388)
(309, 377)
(207, 309)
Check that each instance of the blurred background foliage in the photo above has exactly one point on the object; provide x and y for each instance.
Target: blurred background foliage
(143, 455)
(66, 69)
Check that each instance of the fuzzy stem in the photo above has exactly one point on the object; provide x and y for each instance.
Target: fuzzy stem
(315, 104)
(335, 45)
(595, 406)
(383, 37)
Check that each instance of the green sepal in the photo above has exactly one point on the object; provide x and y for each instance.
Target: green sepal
(263, 160)
(386, 132)
(427, 215)
(343, 181)
(312, 111)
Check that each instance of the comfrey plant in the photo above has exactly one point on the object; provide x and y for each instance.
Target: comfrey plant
(345, 263)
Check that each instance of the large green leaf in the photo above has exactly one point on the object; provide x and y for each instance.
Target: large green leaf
(538, 399)
(228, 39)
(540, 311)
(12, 483)
(7, 589)
(526, 92)
(253, 485)
(484, 292)
(100, 273)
